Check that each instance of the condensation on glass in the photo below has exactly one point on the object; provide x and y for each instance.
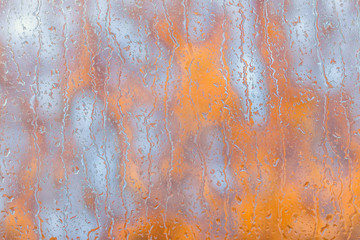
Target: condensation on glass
(167, 119)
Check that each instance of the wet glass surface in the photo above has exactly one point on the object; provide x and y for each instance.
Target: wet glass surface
(167, 119)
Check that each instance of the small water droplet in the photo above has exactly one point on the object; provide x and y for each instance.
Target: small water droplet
(76, 170)
(7, 152)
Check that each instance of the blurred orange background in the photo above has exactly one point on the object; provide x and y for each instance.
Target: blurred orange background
(208, 119)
